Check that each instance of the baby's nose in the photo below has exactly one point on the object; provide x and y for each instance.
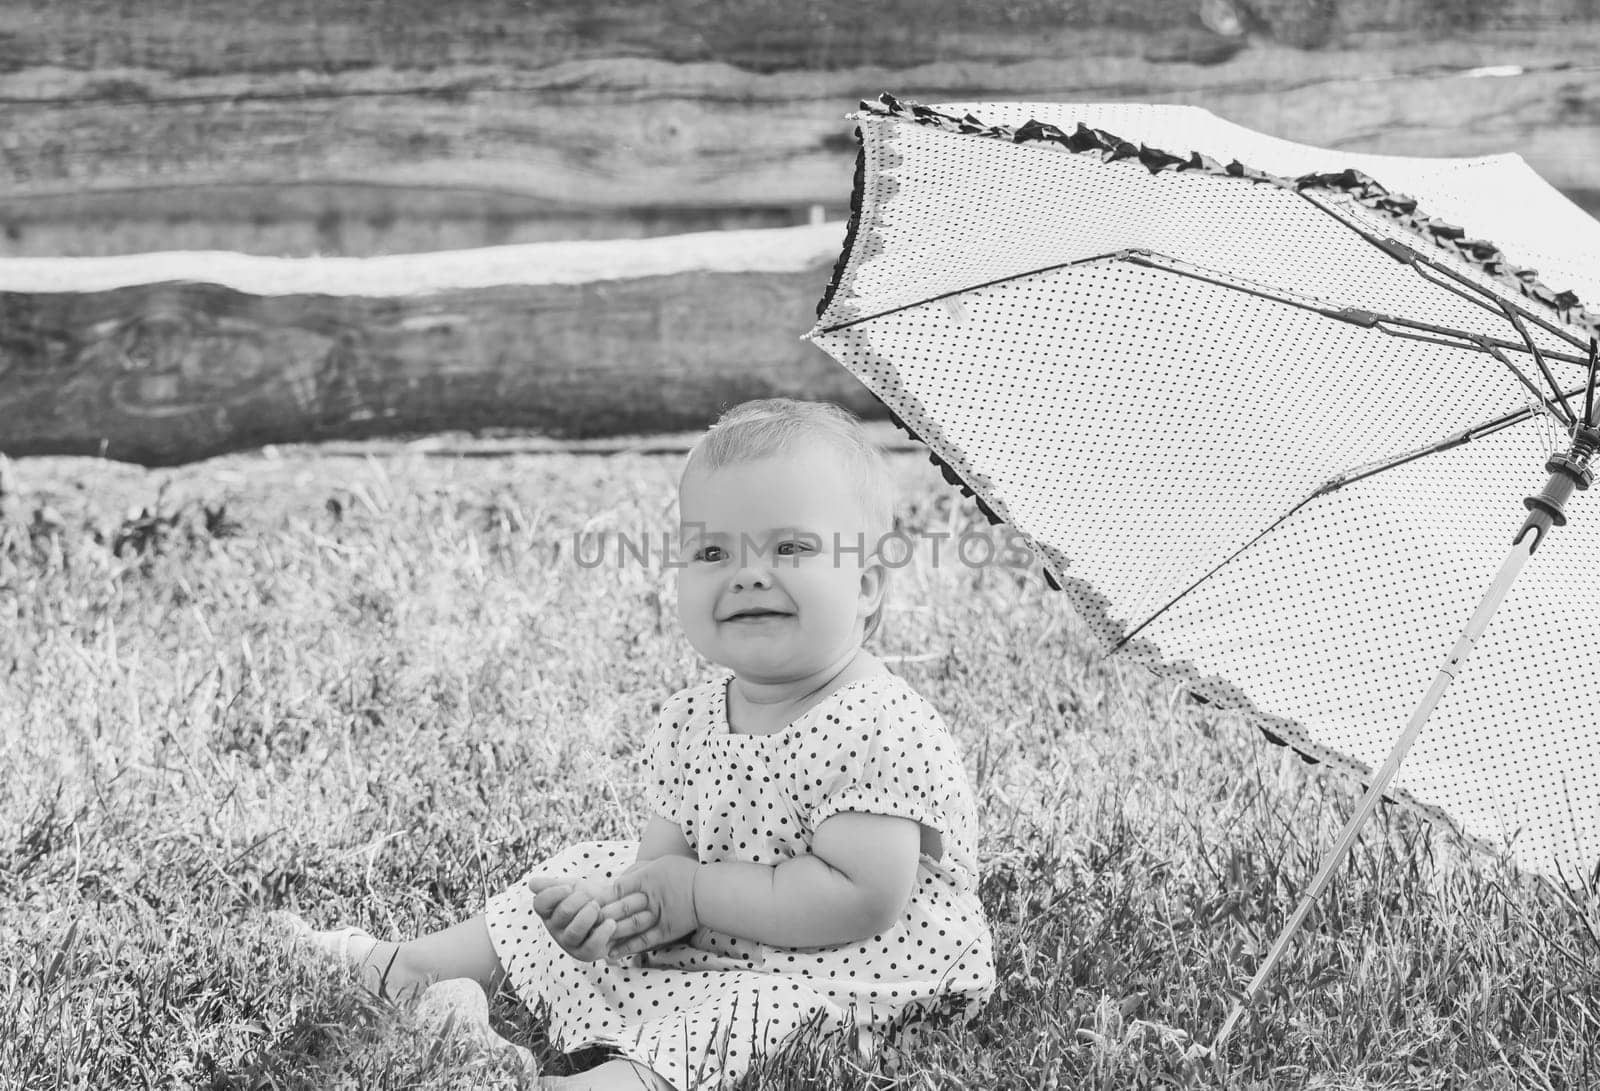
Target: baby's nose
(753, 573)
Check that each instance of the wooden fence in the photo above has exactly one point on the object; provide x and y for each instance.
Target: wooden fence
(359, 128)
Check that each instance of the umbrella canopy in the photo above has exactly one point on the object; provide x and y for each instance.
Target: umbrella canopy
(1268, 414)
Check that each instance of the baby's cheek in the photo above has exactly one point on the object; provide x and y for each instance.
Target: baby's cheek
(689, 600)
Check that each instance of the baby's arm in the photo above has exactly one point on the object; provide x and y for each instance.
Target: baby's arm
(661, 837)
(854, 883)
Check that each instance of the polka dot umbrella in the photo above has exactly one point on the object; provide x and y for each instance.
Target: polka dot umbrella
(1268, 414)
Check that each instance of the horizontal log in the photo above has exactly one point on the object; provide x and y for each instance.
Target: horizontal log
(759, 35)
(166, 359)
(350, 160)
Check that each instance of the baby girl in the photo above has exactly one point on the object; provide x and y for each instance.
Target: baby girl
(809, 858)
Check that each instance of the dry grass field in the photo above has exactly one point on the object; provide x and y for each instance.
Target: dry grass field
(374, 689)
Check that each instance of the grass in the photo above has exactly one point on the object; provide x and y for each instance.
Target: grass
(375, 690)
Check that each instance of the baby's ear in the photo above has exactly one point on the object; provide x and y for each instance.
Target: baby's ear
(874, 584)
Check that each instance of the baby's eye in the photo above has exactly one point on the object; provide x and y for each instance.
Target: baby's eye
(796, 547)
(710, 554)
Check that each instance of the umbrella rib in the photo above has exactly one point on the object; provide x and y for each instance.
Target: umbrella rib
(1588, 396)
(1127, 637)
(1567, 416)
(1557, 409)
(1425, 268)
(1492, 347)
(1466, 435)
(1442, 276)
(1369, 319)
(1471, 341)
(1113, 255)
(1150, 259)
(1421, 264)
(1393, 325)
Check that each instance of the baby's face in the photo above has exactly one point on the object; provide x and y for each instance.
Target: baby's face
(766, 589)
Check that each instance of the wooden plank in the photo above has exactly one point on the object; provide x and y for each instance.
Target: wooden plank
(170, 372)
(758, 35)
(374, 148)
(611, 133)
(340, 126)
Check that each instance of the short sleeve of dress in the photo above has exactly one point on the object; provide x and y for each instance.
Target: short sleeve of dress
(663, 769)
(887, 752)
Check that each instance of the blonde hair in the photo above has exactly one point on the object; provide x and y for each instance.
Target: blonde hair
(766, 427)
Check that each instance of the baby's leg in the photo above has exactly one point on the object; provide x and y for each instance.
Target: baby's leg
(463, 950)
(611, 1076)
(401, 970)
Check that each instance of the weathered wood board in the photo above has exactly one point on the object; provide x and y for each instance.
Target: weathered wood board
(256, 132)
(166, 359)
(370, 127)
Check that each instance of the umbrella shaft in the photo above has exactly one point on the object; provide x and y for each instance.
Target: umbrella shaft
(1509, 568)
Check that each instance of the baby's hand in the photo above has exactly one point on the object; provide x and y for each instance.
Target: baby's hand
(572, 913)
(654, 903)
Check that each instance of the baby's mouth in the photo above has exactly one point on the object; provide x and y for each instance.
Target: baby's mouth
(756, 615)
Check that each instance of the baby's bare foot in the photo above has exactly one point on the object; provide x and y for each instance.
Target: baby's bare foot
(459, 1006)
(382, 965)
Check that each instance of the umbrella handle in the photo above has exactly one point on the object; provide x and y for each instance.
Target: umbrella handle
(1525, 544)
(1568, 472)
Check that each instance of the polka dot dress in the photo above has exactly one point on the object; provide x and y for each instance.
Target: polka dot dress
(700, 1011)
